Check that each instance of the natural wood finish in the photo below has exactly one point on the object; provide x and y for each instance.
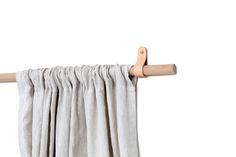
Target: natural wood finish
(149, 70)
(155, 70)
(7, 77)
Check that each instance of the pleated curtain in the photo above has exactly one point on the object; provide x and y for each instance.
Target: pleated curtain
(82, 111)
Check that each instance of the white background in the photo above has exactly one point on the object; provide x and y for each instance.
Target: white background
(192, 114)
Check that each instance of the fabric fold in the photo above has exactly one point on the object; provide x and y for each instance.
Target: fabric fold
(81, 111)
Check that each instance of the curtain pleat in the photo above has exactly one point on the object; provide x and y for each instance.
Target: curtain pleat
(82, 111)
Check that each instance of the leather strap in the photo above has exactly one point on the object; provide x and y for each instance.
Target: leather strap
(141, 61)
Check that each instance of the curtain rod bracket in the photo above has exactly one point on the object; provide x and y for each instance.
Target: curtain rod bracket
(141, 61)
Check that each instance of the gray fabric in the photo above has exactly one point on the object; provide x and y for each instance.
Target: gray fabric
(86, 111)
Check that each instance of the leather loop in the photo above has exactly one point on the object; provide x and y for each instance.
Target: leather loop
(141, 61)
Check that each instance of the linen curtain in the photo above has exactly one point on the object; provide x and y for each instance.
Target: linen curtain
(82, 111)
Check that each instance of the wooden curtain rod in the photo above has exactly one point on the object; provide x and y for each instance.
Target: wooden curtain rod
(140, 69)
(148, 70)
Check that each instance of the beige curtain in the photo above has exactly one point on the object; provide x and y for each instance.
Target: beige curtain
(86, 111)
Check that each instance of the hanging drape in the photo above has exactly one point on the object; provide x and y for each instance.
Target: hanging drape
(86, 111)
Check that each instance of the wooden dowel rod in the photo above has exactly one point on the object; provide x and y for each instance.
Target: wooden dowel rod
(149, 70)
(7, 77)
(156, 70)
